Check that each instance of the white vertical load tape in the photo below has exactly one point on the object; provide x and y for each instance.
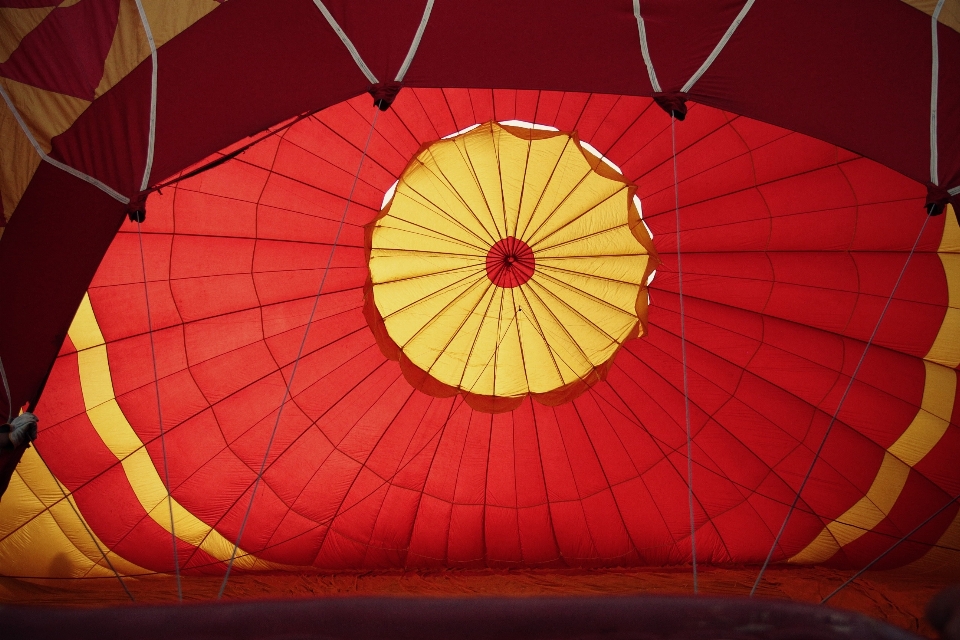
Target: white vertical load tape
(644, 47)
(148, 167)
(934, 82)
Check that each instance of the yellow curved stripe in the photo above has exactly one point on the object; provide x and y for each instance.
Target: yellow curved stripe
(924, 432)
(41, 535)
(117, 434)
(946, 347)
(943, 557)
(920, 437)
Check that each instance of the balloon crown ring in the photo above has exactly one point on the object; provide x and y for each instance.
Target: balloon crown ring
(510, 263)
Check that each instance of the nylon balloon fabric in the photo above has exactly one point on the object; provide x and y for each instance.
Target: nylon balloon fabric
(791, 248)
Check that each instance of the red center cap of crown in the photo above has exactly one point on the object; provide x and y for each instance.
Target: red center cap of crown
(510, 263)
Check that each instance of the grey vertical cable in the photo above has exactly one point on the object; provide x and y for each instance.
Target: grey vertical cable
(296, 362)
(683, 351)
(836, 412)
(889, 549)
(93, 538)
(163, 443)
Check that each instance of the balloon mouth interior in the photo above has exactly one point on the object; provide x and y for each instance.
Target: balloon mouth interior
(510, 263)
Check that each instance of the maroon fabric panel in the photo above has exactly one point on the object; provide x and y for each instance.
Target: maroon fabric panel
(43, 275)
(381, 30)
(807, 65)
(948, 106)
(575, 45)
(247, 66)
(66, 52)
(119, 121)
(682, 33)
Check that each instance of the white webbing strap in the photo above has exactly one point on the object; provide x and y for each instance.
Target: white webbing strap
(934, 82)
(645, 48)
(43, 154)
(416, 42)
(717, 49)
(346, 42)
(153, 97)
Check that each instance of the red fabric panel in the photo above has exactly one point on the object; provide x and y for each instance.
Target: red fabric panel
(791, 248)
(98, 483)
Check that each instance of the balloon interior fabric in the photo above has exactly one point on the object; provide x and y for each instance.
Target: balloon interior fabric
(686, 291)
(455, 450)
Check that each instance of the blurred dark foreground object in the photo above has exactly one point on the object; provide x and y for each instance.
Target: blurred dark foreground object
(356, 618)
(943, 612)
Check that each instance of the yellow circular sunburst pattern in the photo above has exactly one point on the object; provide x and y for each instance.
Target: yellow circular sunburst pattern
(509, 262)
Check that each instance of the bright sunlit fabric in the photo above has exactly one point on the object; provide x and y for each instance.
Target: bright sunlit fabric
(510, 262)
(791, 249)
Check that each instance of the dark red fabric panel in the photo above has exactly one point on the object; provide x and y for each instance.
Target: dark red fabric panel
(66, 52)
(381, 30)
(120, 121)
(681, 35)
(948, 106)
(575, 46)
(9, 459)
(42, 274)
(800, 61)
(283, 59)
